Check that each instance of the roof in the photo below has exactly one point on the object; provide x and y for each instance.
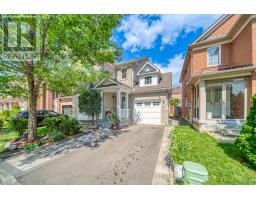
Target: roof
(201, 40)
(239, 70)
(139, 62)
(164, 84)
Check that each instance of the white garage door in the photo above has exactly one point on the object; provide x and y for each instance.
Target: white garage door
(148, 112)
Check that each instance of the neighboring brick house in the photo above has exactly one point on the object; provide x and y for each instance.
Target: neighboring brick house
(53, 101)
(218, 76)
(9, 102)
(137, 91)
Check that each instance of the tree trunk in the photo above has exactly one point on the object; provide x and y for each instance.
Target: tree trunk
(93, 119)
(32, 121)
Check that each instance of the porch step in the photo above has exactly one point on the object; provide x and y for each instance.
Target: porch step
(230, 132)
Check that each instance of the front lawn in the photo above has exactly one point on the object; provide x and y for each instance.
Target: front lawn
(223, 161)
(7, 135)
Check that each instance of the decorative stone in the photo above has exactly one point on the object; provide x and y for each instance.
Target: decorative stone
(10, 146)
(178, 174)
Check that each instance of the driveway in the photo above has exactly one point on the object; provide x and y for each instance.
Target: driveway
(129, 158)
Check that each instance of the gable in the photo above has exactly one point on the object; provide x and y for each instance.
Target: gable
(106, 83)
(225, 27)
(148, 68)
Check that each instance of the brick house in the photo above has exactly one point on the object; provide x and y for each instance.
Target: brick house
(218, 76)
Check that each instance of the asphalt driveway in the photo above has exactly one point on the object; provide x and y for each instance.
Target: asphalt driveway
(129, 158)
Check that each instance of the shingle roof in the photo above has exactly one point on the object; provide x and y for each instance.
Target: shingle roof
(165, 83)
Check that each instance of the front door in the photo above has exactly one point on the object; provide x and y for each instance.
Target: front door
(214, 101)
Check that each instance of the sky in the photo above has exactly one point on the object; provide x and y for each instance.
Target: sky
(162, 38)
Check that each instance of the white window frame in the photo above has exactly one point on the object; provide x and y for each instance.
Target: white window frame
(219, 63)
(139, 104)
(156, 103)
(147, 103)
(145, 83)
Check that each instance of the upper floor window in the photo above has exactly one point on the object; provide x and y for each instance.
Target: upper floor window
(213, 56)
(148, 80)
(124, 73)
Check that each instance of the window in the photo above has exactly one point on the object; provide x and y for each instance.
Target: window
(124, 73)
(156, 103)
(139, 104)
(147, 103)
(148, 80)
(123, 102)
(213, 56)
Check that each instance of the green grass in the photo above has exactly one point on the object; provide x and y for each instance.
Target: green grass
(7, 134)
(223, 161)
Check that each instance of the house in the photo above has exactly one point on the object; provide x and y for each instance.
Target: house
(54, 101)
(218, 76)
(137, 91)
(9, 102)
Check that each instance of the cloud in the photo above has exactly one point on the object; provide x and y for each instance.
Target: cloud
(142, 31)
(175, 66)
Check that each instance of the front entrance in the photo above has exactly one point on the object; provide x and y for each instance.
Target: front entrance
(226, 100)
(214, 101)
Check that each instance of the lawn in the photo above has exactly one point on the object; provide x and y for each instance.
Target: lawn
(223, 162)
(6, 135)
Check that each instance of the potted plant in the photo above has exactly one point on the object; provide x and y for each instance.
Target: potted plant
(115, 121)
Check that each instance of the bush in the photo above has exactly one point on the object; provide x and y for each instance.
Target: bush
(246, 142)
(1, 124)
(6, 115)
(69, 126)
(19, 125)
(56, 135)
(63, 124)
(53, 123)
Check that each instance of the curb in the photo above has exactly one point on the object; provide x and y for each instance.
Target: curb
(6, 178)
(163, 174)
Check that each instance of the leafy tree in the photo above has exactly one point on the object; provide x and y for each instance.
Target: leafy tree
(246, 142)
(90, 102)
(174, 101)
(68, 48)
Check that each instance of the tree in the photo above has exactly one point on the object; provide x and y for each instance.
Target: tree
(246, 142)
(174, 101)
(90, 102)
(68, 47)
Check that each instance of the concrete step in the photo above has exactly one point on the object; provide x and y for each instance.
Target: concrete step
(230, 132)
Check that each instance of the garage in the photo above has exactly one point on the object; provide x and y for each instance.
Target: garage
(148, 112)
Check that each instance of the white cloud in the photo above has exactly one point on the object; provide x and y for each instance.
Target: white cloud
(141, 31)
(175, 66)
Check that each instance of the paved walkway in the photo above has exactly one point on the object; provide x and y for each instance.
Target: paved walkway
(128, 158)
(22, 163)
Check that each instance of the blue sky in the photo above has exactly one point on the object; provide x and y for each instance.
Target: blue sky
(162, 38)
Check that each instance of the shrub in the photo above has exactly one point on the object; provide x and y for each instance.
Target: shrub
(6, 115)
(53, 123)
(1, 124)
(30, 147)
(69, 126)
(56, 135)
(63, 124)
(19, 125)
(246, 142)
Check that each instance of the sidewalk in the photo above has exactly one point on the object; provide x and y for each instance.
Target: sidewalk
(163, 174)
